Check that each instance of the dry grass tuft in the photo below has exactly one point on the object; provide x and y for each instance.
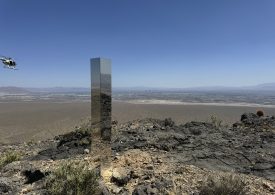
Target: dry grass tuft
(73, 178)
(216, 122)
(9, 157)
(228, 184)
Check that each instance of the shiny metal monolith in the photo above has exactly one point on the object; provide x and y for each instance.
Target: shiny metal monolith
(101, 97)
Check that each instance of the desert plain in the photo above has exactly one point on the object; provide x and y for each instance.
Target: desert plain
(33, 121)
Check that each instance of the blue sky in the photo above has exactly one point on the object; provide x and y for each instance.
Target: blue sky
(152, 43)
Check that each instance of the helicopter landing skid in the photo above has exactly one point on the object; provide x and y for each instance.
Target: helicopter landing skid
(10, 68)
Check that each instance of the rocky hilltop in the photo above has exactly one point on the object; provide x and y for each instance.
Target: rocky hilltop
(153, 156)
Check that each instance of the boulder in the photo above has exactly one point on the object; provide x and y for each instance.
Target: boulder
(33, 176)
(249, 118)
(120, 176)
(5, 185)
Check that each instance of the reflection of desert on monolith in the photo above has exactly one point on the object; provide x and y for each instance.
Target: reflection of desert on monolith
(101, 97)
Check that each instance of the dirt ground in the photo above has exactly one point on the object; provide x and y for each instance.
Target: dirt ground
(21, 122)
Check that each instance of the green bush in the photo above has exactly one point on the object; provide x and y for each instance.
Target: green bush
(73, 179)
(223, 185)
(9, 157)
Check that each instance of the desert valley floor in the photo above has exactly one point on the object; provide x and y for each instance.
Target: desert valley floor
(21, 122)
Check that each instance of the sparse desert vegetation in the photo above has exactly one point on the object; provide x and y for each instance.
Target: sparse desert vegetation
(9, 157)
(260, 113)
(226, 184)
(150, 156)
(216, 121)
(73, 178)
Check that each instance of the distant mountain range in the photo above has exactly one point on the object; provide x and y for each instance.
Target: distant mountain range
(60, 90)
(260, 87)
(19, 90)
(13, 90)
(266, 86)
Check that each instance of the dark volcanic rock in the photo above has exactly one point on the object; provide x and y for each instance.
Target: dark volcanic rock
(250, 118)
(247, 147)
(145, 189)
(67, 145)
(169, 122)
(157, 145)
(156, 187)
(5, 185)
(74, 139)
(253, 120)
(33, 176)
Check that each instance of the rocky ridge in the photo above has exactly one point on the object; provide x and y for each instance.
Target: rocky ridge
(153, 156)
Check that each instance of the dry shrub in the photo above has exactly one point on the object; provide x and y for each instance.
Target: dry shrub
(168, 122)
(216, 122)
(9, 157)
(228, 184)
(73, 179)
(260, 113)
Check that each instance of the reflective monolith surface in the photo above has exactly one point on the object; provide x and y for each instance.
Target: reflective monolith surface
(101, 97)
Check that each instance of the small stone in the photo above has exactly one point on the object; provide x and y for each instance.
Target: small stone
(114, 122)
(269, 187)
(120, 176)
(150, 167)
(86, 151)
(145, 189)
(116, 190)
(159, 160)
(180, 148)
(4, 185)
(134, 175)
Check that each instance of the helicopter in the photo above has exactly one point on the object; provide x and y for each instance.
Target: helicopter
(8, 63)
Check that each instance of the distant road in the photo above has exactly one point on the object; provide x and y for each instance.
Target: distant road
(25, 121)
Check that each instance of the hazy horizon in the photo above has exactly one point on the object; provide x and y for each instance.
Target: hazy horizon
(271, 85)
